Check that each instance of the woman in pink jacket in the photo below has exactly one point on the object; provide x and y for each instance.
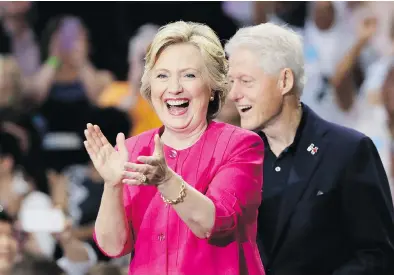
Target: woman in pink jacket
(183, 197)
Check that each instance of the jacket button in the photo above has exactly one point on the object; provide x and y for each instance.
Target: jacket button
(161, 237)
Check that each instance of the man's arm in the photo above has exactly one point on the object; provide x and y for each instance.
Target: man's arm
(368, 214)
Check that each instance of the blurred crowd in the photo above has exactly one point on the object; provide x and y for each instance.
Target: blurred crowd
(50, 88)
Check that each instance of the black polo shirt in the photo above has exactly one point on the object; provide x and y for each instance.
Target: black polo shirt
(276, 173)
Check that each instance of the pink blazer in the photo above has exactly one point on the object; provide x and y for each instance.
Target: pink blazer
(225, 164)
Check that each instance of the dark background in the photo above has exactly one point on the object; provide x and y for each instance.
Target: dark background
(111, 24)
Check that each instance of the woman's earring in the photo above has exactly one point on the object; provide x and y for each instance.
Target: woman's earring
(211, 98)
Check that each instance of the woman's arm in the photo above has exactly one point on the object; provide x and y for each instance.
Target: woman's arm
(234, 193)
(112, 229)
(26, 52)
(39, 84)
(83, 233)
(94, 81)
(196, 210)
(342, 80)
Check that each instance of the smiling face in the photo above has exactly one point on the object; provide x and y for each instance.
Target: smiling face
(179, 90)
(8, 247)
(257, 95)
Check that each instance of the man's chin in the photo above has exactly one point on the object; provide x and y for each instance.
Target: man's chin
(248, 125)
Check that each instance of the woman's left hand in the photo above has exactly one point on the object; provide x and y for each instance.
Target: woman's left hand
(152, 171)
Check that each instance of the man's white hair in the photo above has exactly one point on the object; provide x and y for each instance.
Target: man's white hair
(278, 47)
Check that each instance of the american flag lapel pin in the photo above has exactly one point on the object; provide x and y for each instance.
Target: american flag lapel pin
(312, 148)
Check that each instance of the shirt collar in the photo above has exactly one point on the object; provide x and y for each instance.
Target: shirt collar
(298, 135)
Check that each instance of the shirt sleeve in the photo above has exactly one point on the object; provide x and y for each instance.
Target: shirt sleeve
(237, 187)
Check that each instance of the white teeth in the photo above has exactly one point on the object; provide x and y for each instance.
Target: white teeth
(176, 102)
(245, 107)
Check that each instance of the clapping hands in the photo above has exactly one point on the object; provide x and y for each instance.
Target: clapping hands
(153, 170)
(113, 165)
(108, 162)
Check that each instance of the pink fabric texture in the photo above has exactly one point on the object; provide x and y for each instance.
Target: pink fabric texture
(225, 164)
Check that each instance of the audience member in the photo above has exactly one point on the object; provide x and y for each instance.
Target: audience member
(65, 87)
(19, 118)
(78, 256)
(17, 193)
(16, 35)
(127, 96)
(333, 55)
(80, 191)
(8, 242)
(36, 265)
(381, 42)
(13, 186)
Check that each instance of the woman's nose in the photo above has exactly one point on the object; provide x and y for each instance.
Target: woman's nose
(175, 86)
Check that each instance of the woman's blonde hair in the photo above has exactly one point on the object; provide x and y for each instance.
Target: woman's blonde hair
(205, 39)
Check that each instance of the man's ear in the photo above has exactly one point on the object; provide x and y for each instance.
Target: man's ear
(286, 81)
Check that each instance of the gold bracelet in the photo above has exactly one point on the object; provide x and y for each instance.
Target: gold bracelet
(180, 198)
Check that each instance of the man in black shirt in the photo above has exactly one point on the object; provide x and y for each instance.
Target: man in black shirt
(326, 206)
(276, 170)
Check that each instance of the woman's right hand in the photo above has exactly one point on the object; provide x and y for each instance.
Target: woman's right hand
(108, 162)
